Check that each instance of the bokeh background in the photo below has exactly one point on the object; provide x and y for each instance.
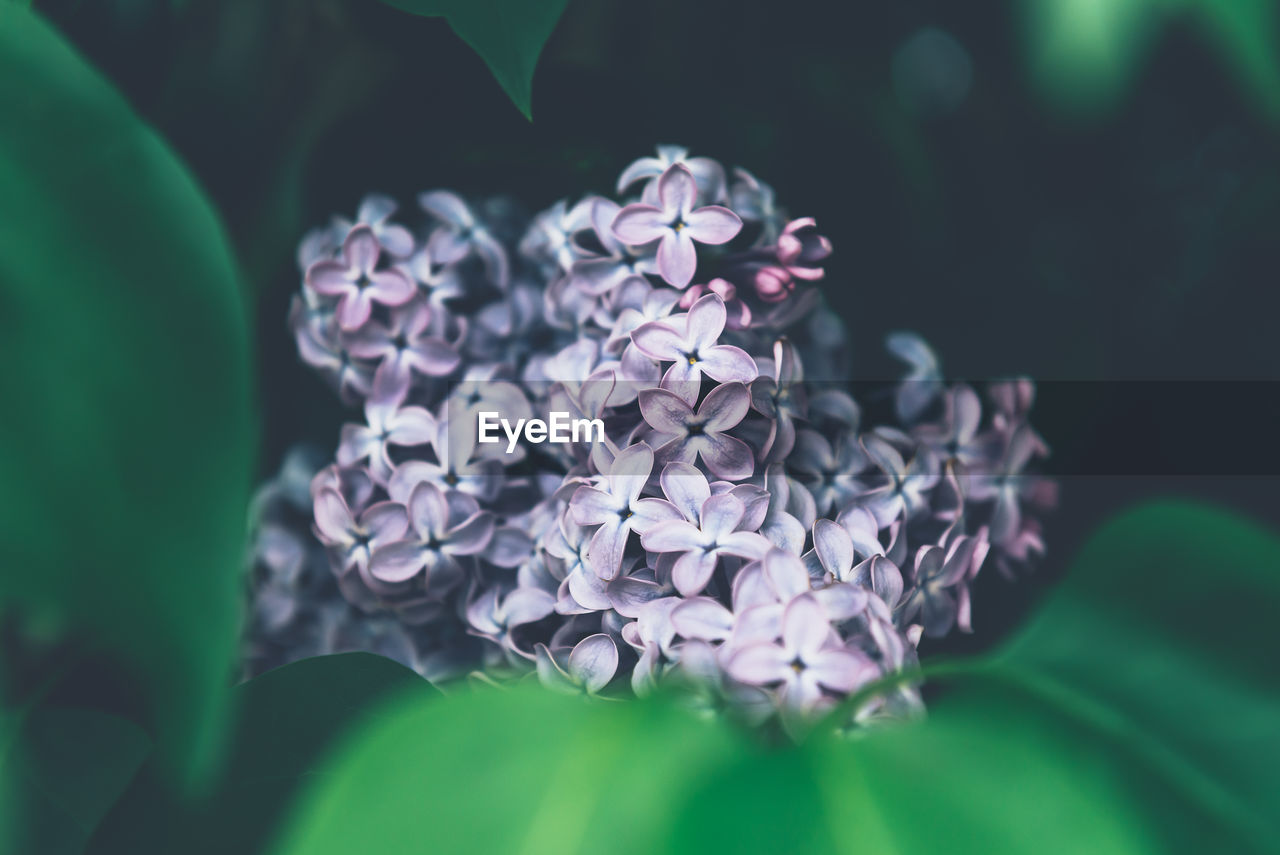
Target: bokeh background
(1107, 223)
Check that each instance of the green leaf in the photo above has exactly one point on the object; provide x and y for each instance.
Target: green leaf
(1159, 642)
(523, 770)
(1085, 54)
(507, 34)
(67, 767)
(127, 437)
(1135, 714)
(287, 718)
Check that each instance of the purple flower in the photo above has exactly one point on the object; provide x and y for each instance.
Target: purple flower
(940, 593)
(716, 533)
(616, 507)
(495, 615)
(708, 173)
(689, 342)
(676, 224)
(955, 438)
(809, 659)
(388, 424)
(1007, 485)
(317, 343)
(461, 234)
(702, 434)
(404, 346)
(738, 312)
(617, 266)
(692, 347)
(923, 382)
(352, 539)
(797, 256)
(375, 212)
(588, 668)
(445, 525)
(903, 497)
(357, 283)
(831, 474)
(570, 543)
(781, 399)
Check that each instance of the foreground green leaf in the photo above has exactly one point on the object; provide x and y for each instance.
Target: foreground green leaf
(1135, 714)
(507, 34)
(126, 445)
(287, 718)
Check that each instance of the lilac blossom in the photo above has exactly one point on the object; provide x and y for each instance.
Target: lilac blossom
(357, 283)
(676, 224)
(443, 528)
(461, 234)
(701, 545)
(707, 173)
(588, 668)
(701, 435)
(784, 553)
(689, 342)
(388, 424)
(808, 659)
(404, 345)
(616, 507)
(799, 252)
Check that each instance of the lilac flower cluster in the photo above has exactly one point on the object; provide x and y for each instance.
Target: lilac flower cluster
(739, 531)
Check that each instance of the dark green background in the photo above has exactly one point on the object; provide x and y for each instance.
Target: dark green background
(1135, 245)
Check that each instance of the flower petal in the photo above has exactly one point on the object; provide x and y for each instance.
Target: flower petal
(725, 363)
(702, 618)
(397, 562)
(686, 487)
(677, 191)
(758, 664)
(361, 250)
(834, 548)
(720, 515)
(659, 340)
(672, 536)
(805, 627)
(713, 224)
(677, 257)
(692, 571)
(470, 536)
(639, 224)
(724, 407)
(593, 662)
(666, 411)
(727, 457)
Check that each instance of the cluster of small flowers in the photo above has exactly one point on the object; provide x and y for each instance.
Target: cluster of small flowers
(737, 531)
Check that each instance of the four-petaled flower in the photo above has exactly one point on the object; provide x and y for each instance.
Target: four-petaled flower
(444, 525)
(357, 283)
(689, 341)
(676, 224)
(714, 534)
(702, 434)
(616, 507)
(809, 658)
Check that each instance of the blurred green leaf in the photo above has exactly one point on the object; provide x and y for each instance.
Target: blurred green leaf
(127, 439)
(67, 767)
(287, 718)
(1085, 54)
(522, 770)
(1135, 714)
(508, 35)
(1159, 642)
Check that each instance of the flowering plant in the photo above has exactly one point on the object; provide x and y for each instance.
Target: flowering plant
(739, 531)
